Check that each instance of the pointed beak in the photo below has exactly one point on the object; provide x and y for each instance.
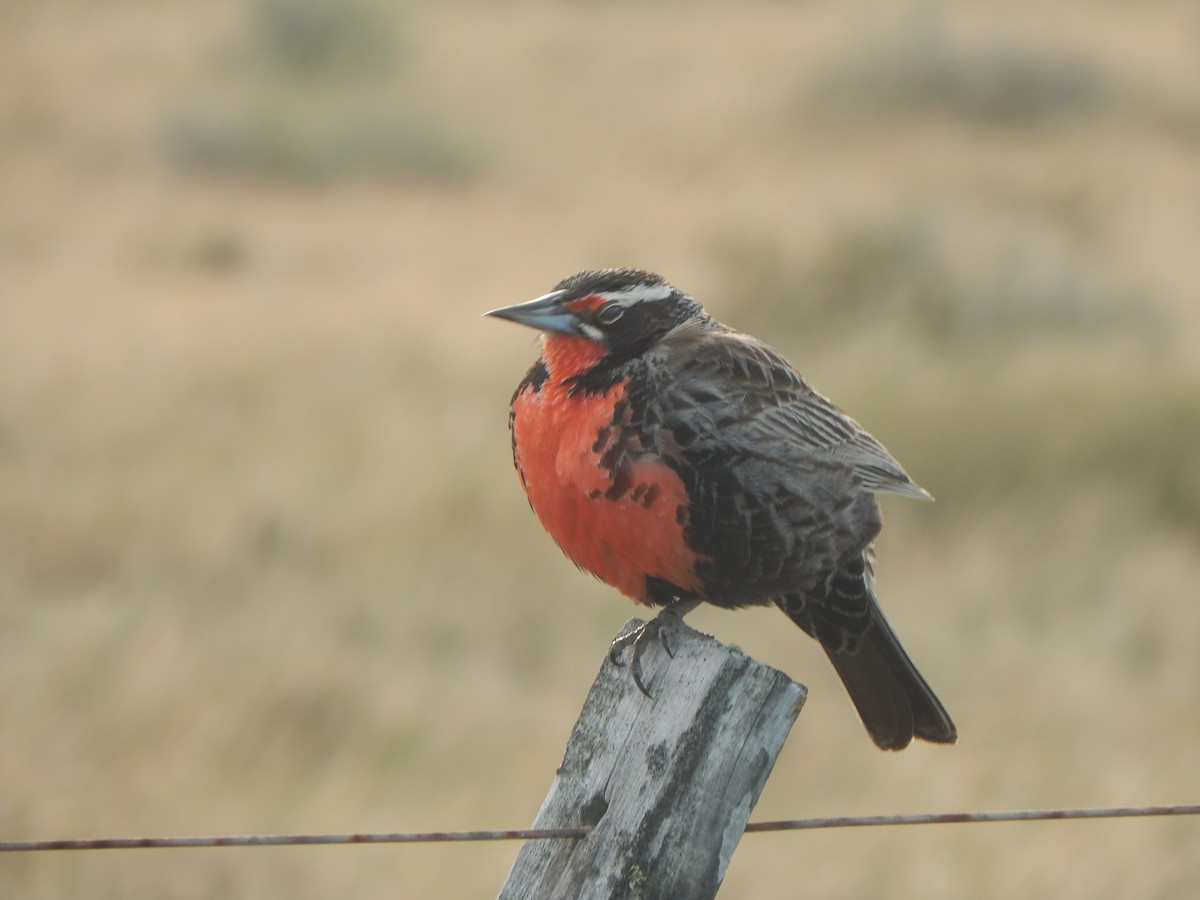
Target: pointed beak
(542, 313)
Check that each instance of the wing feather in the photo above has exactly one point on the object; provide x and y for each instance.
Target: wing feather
(731, 391)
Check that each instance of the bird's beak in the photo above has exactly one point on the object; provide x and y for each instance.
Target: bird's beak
(543, 313)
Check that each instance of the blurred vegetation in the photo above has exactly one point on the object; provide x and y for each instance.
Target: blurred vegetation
(923, 64)
(313, 91)
(923, 61)
(314, 38)
(915, 273)
(264, 565)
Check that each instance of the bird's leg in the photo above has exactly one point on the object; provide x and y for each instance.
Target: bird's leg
(656, 629)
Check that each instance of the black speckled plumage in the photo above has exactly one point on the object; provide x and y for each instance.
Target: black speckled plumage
(780, 483)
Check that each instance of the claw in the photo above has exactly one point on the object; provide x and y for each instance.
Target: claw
(637, 640)
(666, 644)
(641, 637)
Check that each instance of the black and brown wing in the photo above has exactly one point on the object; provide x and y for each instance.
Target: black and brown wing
(781, 510)
(780, 482)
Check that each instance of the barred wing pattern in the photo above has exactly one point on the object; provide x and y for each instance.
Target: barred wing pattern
(782, 511)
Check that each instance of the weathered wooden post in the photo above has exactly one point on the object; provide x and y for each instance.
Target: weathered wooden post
(666, 782)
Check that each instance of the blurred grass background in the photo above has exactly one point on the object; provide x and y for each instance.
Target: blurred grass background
(264, 565)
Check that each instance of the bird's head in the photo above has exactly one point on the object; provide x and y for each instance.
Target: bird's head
(622, 313)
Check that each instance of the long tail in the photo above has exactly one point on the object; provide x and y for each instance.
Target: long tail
(893, 700)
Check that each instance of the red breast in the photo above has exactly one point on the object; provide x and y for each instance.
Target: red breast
(614, 508)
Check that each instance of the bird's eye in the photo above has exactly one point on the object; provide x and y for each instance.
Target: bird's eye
(609, 313)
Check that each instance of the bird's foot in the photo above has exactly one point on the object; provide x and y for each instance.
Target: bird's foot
(657, 629)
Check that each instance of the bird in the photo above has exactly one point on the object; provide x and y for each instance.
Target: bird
(683, 462)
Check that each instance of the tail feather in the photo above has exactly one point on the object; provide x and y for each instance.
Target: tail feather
(894, 702)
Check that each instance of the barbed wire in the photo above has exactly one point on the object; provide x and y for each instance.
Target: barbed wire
(1017, 815)
(542, 834)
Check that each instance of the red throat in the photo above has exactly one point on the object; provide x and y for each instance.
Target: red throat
(566, 355)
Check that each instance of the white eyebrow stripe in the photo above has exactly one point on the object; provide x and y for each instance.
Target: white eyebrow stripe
(639, 292)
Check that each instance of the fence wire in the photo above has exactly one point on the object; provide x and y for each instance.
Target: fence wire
(543, 834)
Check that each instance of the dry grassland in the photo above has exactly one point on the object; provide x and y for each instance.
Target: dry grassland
(264, 565)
